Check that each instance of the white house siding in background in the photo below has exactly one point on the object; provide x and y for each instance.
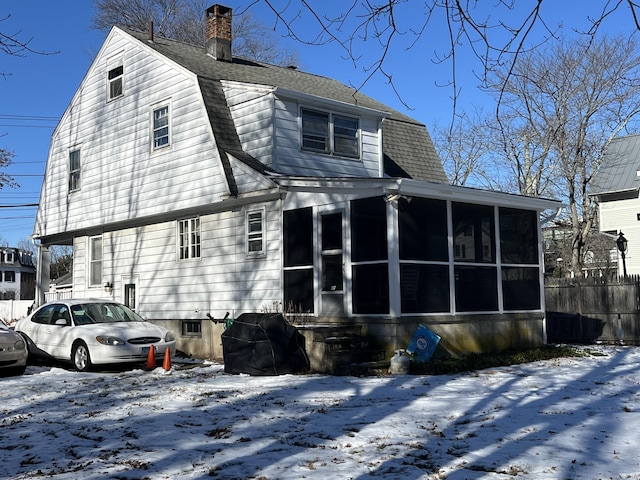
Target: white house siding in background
(623, 215)
(121, 176)
(223, 279)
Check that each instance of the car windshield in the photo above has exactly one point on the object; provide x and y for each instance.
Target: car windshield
(103, 313)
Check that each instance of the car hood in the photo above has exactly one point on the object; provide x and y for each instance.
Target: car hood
(7, 334)
(124, 330)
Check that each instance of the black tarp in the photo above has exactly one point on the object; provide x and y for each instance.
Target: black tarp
(263, 344)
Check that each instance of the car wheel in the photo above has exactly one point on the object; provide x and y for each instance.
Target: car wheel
(80, 357)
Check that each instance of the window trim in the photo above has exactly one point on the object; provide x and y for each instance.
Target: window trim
(187, 328)
(155, 108)
(74, 173)
(191, 242)
(253, 236)
(331, 135)
(91, 261)
(111, 81)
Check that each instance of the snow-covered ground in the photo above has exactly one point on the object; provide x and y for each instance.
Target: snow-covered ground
(571, 418)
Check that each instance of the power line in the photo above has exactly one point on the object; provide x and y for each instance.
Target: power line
(7, 116)
(23, 205)
(25, 126)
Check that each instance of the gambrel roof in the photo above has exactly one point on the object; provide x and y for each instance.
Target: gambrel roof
(620, 169)
(407, 147)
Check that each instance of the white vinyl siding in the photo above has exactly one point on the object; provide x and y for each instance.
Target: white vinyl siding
(222, 280)
(269, 130)
(252, 112)
(117, 157)
(291, 160)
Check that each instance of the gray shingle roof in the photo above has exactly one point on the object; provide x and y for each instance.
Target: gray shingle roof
(408, 149)
(620, 166)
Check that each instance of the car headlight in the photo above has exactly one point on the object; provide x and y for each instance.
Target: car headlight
(169, 337)
(110, 341)
(20, 345)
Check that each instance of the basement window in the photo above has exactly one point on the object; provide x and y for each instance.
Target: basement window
(191, 328)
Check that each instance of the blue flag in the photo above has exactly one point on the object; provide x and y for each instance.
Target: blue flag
(423, 344)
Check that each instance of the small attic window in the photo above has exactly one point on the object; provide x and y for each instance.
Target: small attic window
(114, 80)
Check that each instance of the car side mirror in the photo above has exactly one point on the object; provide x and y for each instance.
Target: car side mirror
(61, 321)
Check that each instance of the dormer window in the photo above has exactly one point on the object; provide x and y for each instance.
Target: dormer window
(9, 256)
(330, 133)
(114, 80)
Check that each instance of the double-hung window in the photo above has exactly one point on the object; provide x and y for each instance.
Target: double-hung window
(161, 127)
(189, 238)
(330, 133)
(95, 261)
(114, 82)
(74, 170)
(255, 232)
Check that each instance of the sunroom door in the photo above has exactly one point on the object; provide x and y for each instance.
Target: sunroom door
(331, 263)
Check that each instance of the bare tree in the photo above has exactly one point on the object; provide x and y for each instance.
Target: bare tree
(495, 33)
(183, 20)
(12, 44)
(5, 161)
(61, 260)
(463, 147)
(560, 107)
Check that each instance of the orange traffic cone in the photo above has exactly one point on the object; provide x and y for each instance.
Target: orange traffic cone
(167, 359)
(151, 358)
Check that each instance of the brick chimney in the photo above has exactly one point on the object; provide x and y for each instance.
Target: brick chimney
(218, 41)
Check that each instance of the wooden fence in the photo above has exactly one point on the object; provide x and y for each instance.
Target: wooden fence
(593, 310)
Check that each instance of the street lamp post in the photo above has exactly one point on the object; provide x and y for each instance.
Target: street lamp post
(622, 244)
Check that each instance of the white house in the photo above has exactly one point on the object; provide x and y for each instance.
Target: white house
(616, 188)
(17, 274)
(192, 183)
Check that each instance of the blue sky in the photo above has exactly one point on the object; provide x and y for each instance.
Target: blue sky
(38, 90)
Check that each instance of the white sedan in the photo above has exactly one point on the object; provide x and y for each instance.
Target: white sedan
(92, 332)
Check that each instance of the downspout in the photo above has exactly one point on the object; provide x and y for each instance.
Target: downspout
(380, 151)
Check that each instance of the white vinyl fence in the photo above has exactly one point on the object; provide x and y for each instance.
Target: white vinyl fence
(13, 310)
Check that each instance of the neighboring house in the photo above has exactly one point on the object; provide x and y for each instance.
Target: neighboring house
(61, 287)
(191, 183)
(17, 274)
(600, 258)
(616, 187)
